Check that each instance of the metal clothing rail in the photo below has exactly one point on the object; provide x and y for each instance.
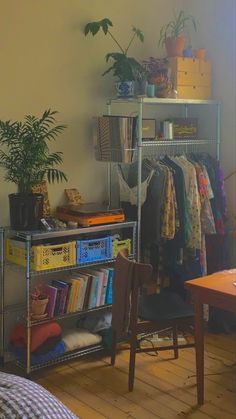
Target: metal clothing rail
(140, 103)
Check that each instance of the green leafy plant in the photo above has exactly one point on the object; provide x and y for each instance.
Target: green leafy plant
(124, 67)
(177, 26)
(25, 153)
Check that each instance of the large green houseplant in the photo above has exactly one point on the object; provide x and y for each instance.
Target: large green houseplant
(172, 34)
(125, 68)
(27, 161)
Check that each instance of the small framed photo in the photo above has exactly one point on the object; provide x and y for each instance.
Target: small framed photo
(148, 129)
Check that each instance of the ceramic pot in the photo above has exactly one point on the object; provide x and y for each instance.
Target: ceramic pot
(175, 46)
(125, 88)
(188, 52)
(200, 53)
(38, 307)
(26, 210)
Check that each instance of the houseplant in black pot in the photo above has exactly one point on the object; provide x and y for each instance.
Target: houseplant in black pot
(125, 68)
(27, 160)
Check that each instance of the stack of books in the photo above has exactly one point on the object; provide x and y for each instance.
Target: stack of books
(85, 289)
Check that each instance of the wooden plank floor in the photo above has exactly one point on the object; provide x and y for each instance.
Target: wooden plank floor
(164, 388)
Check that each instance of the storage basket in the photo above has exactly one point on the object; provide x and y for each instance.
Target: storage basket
(93, 250)
(42, 257)
(119, 245)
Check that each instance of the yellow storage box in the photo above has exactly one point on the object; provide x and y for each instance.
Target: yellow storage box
(191, 77)
(194, 92)
(118, 245)
(185, 64)
(42, 257)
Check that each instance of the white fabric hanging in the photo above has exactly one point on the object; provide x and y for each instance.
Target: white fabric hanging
(128, 194)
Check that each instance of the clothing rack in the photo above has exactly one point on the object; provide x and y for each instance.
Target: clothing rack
(174, 146)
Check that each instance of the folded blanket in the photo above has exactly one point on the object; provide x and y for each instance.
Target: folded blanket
(58, 350)
(79, 338)
(39, 334)
(48, 345)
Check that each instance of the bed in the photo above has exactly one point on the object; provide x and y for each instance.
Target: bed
(23, 399)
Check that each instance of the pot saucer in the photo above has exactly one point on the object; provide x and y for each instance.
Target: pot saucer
(38, 316)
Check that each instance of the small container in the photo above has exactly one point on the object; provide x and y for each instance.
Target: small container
(200, 53)
(72, 224)
(151, 90)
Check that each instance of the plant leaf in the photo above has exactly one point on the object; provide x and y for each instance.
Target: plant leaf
(138, 33)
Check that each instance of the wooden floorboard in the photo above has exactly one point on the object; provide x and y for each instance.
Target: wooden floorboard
(164, 388)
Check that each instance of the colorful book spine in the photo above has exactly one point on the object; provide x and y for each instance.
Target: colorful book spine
(104, 285)
(51, 293)
(108, 299)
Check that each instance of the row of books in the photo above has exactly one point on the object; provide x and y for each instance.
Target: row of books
(83, 290)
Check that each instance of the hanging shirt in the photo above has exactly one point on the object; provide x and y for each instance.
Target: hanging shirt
(169, 226)
(207, 218)
(152, 208)
(185, 230)
(193, 202)
(130, 194)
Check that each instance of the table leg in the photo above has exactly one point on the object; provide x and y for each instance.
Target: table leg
(199, 342)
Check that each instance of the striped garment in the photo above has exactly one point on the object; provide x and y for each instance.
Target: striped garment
(23, 399)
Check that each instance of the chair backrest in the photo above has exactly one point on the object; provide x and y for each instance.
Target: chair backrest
(129, 276)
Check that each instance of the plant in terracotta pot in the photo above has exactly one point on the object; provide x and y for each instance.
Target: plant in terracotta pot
(38, 302)
(172, 34)
(125, 68)
(27, 161)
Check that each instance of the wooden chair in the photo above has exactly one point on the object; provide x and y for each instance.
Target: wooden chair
(135, 314)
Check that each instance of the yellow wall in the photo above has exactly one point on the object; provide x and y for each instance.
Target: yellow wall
(218, 34)
(46, 61)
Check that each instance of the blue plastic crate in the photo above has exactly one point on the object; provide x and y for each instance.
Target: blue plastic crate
(94, 250)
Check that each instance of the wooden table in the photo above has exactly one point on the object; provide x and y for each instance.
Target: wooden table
(217, 290)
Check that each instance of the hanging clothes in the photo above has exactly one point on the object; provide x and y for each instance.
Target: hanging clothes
(183, 207)
(130, 194)
(218, 203)
(170, 221)
(152, 209)
(193, 199)
(184, 232)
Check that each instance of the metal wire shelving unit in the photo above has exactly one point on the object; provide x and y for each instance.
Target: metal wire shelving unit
(31, 238)
(175, 145)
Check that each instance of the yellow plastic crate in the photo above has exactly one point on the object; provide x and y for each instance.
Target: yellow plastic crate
(118, 245)
(42, 257)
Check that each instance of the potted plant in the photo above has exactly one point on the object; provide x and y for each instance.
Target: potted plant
(125, 68)
(157, 70)
(26, 158)
(172, 33)
(38, 303)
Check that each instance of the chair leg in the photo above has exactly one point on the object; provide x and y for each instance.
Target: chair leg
(133, 345)
(113, 348)
(175, 341)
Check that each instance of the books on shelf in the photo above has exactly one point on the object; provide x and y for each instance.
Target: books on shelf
(51, 293)
(84, 289)
(108, 298)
